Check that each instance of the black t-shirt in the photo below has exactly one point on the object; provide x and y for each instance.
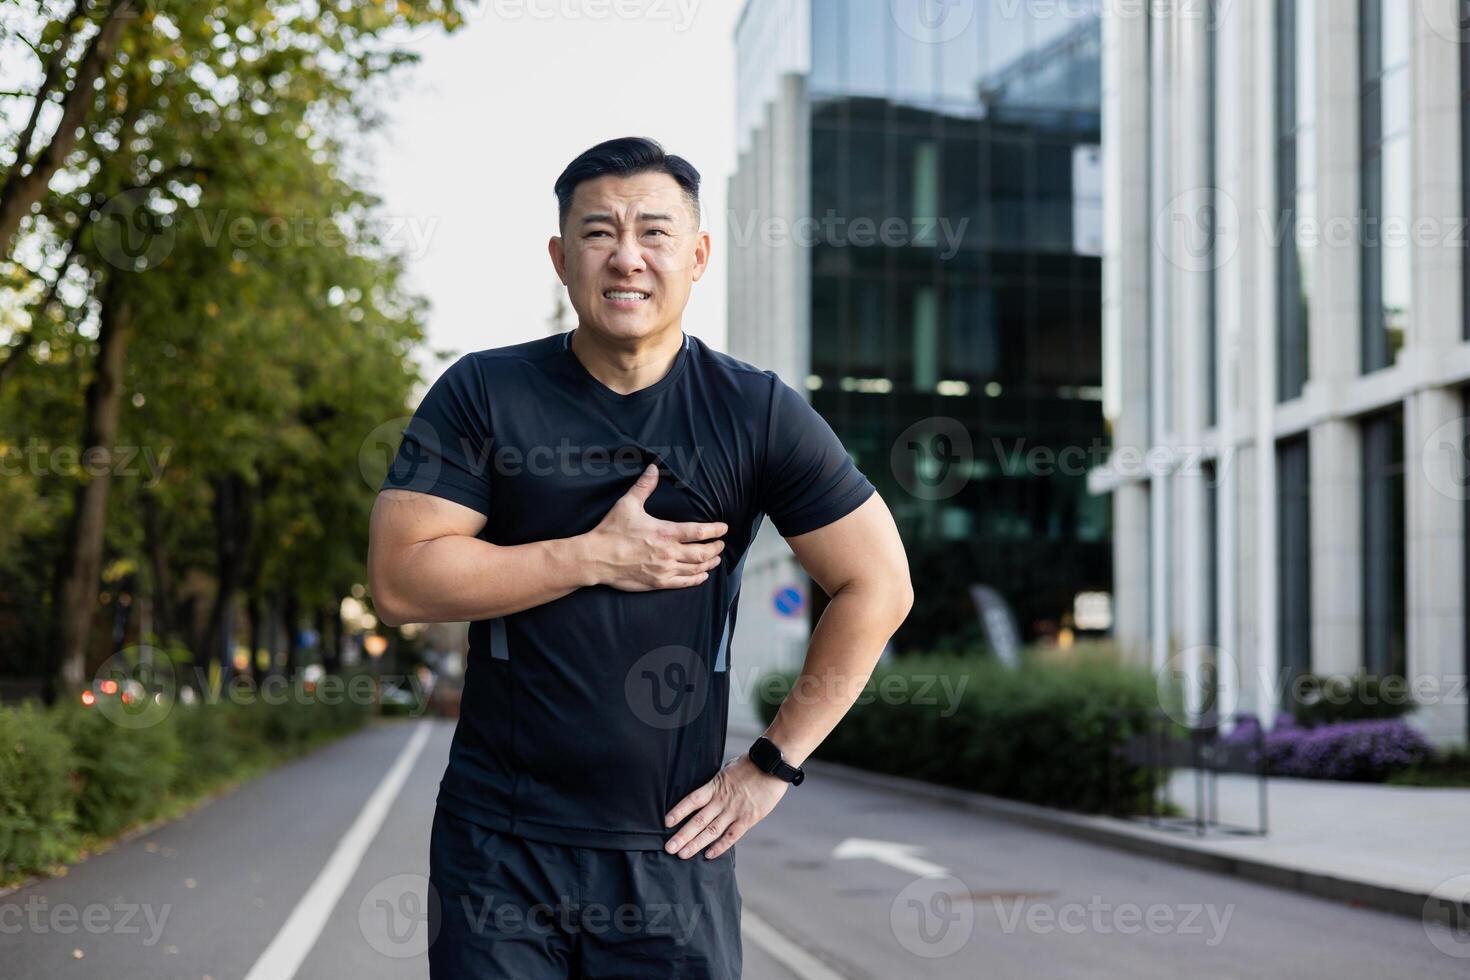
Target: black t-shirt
(584, 720)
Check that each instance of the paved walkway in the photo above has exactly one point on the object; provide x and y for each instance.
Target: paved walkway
(1414, 839)
(1400, 849)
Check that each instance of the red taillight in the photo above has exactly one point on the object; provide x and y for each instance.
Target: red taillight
(88, 698)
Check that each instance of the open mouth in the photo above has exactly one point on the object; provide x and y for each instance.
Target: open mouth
(625, 297)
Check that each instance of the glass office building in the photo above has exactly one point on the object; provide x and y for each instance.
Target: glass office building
(1304, 376)
(915, 232)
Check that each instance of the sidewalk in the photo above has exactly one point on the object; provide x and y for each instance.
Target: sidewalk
(1399, 849)
(1401, 837)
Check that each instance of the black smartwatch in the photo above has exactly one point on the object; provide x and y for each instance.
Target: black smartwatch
(767, 758)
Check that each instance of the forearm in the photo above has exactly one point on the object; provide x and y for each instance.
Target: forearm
(844, 649)
(457, 578)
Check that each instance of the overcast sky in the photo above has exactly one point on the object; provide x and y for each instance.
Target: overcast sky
(484, 124)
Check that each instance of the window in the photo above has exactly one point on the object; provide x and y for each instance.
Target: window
(1465, 166)
(1384, 619)
(1296, 69)
(1212, 553)
(828, 30)
(1212, 35)
(1294, 558)
(1384, 62)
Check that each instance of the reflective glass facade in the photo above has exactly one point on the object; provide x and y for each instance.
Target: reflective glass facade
(1296, 167)
(982, 305)
(1386, 180)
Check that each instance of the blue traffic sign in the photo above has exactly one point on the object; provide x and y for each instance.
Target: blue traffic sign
(787, 601)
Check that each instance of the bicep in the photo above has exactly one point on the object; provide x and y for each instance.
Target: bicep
(403, 518)
(863, 546)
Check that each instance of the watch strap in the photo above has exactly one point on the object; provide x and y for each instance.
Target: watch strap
(767, 757)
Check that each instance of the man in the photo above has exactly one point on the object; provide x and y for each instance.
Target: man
(587, 501)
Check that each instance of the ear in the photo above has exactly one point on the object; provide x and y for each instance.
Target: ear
(702, 246)
(555, 247)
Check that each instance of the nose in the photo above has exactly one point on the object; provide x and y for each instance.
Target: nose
(627, 259)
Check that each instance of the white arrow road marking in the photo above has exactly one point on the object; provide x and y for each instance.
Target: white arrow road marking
(904, 857)
(283, 957)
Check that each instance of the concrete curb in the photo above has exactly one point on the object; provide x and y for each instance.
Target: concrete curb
(1121, 834)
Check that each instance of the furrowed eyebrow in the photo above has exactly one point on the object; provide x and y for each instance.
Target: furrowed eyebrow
(608, 219)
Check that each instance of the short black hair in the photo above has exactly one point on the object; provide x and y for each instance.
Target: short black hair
(624, 157)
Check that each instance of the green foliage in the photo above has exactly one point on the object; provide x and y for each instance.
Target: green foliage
(1318, 699)
(125, 773)
(214, 190)
(37, 798)
(1044, 733)
(1444, 769)
(70, 776)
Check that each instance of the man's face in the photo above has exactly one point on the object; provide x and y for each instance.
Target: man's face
(630, 251)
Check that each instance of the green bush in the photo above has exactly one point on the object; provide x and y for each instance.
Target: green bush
(1318, 699)
(73, 773)
(219, 743)
(1046, 733)
(37, 796)
(125, 773)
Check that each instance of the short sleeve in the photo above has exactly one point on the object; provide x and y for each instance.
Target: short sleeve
(446, 445)
(809, 480)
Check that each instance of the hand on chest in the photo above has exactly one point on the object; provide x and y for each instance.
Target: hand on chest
(547, 485)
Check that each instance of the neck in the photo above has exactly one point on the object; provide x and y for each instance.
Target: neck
(627, 366)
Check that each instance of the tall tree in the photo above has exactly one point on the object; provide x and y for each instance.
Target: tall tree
(176, 122)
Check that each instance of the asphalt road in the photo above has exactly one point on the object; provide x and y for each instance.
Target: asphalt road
(317, 870)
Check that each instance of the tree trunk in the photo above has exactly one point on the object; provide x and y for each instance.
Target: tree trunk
(75, 597)
(163, 592)
(258, 629)
(233, 516)
(292, 615)
(273, 632)
(331, 631)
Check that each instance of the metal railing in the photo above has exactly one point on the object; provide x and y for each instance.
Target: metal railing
(1166, 744)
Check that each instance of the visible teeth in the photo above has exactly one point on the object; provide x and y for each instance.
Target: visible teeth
(622, 294)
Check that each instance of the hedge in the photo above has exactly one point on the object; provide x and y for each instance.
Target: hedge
(1046, 733)
(71, 776)
(1360, 751)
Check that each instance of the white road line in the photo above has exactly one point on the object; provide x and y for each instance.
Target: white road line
(284, 956)
(801, 963)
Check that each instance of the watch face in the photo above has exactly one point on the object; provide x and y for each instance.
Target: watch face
(764, 754)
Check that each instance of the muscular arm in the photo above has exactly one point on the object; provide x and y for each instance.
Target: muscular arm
(426, 565)
(860, 562)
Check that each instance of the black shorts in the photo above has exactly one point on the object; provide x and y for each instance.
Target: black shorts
(504, 906)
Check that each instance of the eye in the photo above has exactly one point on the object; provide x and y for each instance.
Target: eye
(595, 233)
(658, 231)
